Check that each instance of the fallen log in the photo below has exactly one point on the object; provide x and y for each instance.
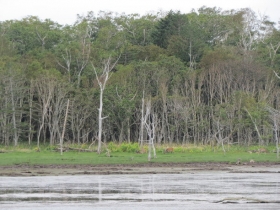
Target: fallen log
(80, 150)
(66, 149)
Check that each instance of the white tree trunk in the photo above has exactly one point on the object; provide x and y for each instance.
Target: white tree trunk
(102, 80)
(100, 119)
(64, 125)
(14, 114)
(149, 121)
(142, 122)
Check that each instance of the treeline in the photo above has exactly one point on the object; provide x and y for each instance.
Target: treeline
(208, 76)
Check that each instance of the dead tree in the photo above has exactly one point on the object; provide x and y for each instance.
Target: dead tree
(220, 139)
(64, 126)
(256, 127)
(102, 80)
(141, 137)
(150, 124)
(274, 116)
(45, 88)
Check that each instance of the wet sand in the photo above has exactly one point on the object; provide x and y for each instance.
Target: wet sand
(147, 168)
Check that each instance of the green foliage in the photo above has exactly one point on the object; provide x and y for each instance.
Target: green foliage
(139, 28)
(50, 148)
(170, 25)
(127, 147)
(36, 149)
(123, 147)
(134, 53)
(198, 68)
(19, 155)
(31, 33)
(113, 147)
(216, 56)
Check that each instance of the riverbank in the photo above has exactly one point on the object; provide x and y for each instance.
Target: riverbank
(145, 168)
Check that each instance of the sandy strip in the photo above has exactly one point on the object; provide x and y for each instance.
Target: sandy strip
(148, 168)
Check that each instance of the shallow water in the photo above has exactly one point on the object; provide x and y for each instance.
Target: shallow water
(211, 190)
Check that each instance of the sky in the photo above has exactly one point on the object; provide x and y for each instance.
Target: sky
(65, 11)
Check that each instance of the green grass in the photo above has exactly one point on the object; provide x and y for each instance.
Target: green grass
(187, 154)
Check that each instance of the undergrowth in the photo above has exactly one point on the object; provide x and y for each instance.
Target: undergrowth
(135, 148)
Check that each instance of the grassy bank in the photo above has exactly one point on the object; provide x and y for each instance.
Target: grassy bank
(129, 154)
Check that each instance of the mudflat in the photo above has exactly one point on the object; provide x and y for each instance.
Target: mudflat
(146, 168)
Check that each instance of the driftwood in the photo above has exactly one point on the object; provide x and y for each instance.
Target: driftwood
(65, 149)
(244, 200)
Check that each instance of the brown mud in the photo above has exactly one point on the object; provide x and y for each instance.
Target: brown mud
(147, 168)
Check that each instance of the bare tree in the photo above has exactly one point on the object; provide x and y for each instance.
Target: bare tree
(274, 116)
(81, 112)
(222, 125)
(46, 88)
(64, 125)
(31, 107)
(255, 125)
(14, 113)
(220, 138)
(102, 81)
(12, 94)
(150, 124)
(141, 136)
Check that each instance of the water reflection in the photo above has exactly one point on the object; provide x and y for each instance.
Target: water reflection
(217, 190)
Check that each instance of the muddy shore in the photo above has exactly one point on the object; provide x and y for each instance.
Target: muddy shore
(148, 168)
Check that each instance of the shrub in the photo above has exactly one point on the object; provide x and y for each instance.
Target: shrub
(113, 147)
(50, 148)
(129, 147)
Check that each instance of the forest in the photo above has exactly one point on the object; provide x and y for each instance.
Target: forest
(210, 76)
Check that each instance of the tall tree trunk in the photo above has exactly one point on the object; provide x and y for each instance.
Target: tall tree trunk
(141, 139)
(14, 115)
(102, 80)
(64, 126)
(100, 120)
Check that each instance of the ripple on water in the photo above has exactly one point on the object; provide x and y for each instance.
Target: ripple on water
(152, 191)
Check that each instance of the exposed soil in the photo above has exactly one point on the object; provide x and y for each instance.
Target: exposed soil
(147, 168)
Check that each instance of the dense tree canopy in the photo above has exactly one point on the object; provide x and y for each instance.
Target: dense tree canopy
(209, 76)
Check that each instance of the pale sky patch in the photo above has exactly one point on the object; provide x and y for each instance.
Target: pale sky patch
(65, 11)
